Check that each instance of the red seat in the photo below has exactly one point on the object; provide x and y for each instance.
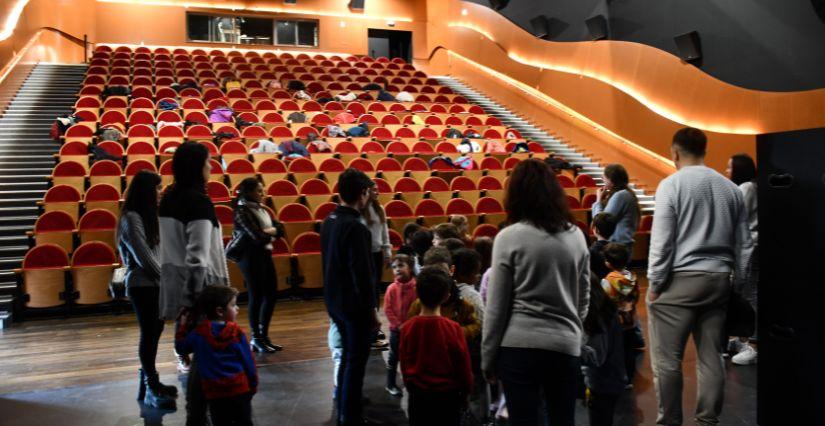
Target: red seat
(485, 230)
(459, 206)
(315, 187)
(646, 224)
(398, 208)
(282, 187)
(489, 183)
(585, 181)
(406, 184)
(462, 183)
(415, 164)
(295, 213)
(436, 184)
(491, 163)
(217, 191)
(428, 207)
(388, 165)
(306, 243)
(488, 205)
(362, 164)
(573, 203)
(588, 201)
(322, 211)
(565, 181)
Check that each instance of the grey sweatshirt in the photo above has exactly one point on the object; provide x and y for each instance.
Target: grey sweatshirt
(538, 293)
(700, 224)
(139, 259)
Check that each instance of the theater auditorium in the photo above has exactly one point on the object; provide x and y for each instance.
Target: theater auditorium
(411, 212)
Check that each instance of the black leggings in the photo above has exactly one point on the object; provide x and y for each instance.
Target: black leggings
(145, 300)
(261, 281)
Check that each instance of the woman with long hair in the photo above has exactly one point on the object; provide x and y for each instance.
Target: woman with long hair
(538, 296)
(138, 241)
(375, 218)
(251, 247)
(742, 171)
(616, 198)
(191, 252)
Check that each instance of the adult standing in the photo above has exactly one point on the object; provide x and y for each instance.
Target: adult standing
(700, 235)
(191, 252)
(375, 218)
(742, 171)
(349, 293)
(616, 198)
(538, 296)
(254, 231)
(138, 240)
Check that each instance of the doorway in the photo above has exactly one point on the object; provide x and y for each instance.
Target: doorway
(390, 44)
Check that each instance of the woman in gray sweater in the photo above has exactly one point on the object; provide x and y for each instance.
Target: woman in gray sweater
(138, 240)
(537, 298)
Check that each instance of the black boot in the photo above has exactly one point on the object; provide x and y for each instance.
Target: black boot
(164, 389)
(392, 388)
(263, 332)
(154, 396)
(258, 345)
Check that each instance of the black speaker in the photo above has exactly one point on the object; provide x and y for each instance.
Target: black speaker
(290, 1)
(690, 46)
(597, 26)
(540, 26)
(499, 4)
(356, 4)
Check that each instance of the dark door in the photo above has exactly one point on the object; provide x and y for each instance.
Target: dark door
(791, 188)
(390, 44)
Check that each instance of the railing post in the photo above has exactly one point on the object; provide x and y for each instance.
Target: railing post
(85, 48)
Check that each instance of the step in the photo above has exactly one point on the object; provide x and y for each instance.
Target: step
(25, 172)
(30, 210)
(33, 193)
(19, 202)
(13, 250)
(10, 262)
(12, 230)
(16, 179)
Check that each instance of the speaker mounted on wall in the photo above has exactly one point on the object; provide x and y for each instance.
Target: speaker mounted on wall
(597, 26)
(290, 1)
(541, 26)
(357, 5)
(690, 47)
(499, 4)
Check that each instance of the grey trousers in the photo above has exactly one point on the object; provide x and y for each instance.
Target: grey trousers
(694, 303)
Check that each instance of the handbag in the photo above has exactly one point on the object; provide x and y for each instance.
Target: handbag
(117, 287)
(235, 250)
(741, 319)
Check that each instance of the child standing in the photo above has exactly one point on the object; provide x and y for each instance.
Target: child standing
(602, 357)
(604, 224)
(620, 286)
(400, 295)
(227, 369)
(434, 356)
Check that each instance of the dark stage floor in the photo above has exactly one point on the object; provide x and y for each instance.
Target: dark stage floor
(299, 393)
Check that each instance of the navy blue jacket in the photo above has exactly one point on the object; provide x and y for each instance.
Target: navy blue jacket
(346, 253)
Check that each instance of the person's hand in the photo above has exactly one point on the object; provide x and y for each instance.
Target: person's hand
(387, 260)
(652, 296)
(271, 231)
(490, 376)
(599, 194)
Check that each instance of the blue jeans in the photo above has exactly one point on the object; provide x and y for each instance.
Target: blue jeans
(356, 333)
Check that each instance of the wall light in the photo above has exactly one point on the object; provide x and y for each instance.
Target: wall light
(642, 98)
(343, 24)
(530, 91)
(11, 20)
(464, 12)
(391, 23)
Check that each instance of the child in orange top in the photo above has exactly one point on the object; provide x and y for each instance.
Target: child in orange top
(400, 295)
(620, 285)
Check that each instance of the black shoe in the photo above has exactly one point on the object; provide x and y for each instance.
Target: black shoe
(394, 391)
(164, 389)
(269, 343)
(380, 345)
(258, 345)
(154, 397)
(380, 335)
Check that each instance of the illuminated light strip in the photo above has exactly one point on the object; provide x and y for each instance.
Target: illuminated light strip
(11, 20)
(560, 106)
(190, 48)
(636, 94)
(241, 7)
(16, 59)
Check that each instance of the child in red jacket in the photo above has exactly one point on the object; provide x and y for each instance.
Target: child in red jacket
(400, 295)
(434, 357)
(223, 357)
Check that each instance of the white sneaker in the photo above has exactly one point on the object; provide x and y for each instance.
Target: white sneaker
(747, 356)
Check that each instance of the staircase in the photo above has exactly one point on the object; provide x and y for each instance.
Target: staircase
(26, 162)
(529, 131)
